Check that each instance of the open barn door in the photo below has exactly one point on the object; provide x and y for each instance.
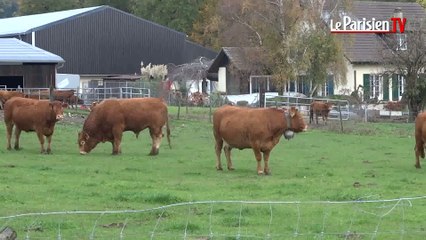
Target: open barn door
(11, 82)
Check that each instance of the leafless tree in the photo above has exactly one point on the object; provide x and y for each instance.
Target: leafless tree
(180, 75)
(405, 54)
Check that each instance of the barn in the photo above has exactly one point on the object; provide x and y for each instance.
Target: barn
(103, 41)
(25, 66)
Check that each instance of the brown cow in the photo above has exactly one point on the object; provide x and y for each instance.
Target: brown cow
(66, 96)
(319, 108)
(420, 134)
(258, 129)
(6, 95)
(111, 117)
(32, 115)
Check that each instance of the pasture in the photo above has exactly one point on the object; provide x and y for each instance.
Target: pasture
(319, 182)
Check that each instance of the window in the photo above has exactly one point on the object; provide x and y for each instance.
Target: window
(376, 85)
(401, 82)
(258, 82)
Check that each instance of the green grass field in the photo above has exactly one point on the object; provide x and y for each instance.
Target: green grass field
(369, 162)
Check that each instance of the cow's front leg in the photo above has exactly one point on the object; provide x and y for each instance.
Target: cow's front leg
(17, 136)
(41, 140)
(227, 149)
(116, 148)
(49, 142)
(258, 156)
(266, 162)
(117, 134)
(156, 136)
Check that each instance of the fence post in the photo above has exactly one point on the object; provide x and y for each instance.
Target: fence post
(365, 112)
(210, 110)
(340, 117)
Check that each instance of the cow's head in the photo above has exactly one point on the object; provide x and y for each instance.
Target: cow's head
(295, 120)
(86, 143)
(328, 106)
(57, 110)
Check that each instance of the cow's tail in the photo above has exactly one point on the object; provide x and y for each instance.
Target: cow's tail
(311, 114)
(168, 133)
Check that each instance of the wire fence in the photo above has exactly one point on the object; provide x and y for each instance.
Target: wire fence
(401, 218)
(342, 109)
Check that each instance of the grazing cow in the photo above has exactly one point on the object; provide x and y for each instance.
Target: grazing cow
(258, 129)
(319, 108)
(111, 117)
(65, 96)
(32, 115)
(73, 101)
(420, 134)
(6, 95)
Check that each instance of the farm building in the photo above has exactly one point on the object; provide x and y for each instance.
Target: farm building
(102, 41)
(25, 66)
(362, 54)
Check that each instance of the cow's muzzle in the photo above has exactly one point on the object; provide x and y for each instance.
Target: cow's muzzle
(83, 152)
(305, 129)
(59, 117)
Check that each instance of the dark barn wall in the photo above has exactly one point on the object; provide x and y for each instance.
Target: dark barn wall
(109, 41)
(34, 75)
(193, 51)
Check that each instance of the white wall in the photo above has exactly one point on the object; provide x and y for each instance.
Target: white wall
(221, 86)
(67, 80)
(355, 76)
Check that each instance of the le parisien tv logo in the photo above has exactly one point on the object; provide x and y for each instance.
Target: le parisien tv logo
(348, 25)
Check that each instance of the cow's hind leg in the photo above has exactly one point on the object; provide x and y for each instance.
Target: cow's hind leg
(17, 136)
(227, 149)
(156, 136)
(420, 152)
(218, 150)
(9, 128)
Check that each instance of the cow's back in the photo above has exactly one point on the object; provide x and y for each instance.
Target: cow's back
(25, 112)
(12, 107)
(239, 127)
(133, 114)
(140, 113)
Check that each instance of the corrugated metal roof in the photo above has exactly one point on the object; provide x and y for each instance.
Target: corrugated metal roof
(26, 24)
(13, 50)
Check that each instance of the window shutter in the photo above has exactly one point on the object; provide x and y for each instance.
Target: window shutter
(366, 85)
(395, 90)
(386, 87)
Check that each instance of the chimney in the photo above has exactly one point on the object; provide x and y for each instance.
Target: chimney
(397, 13)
